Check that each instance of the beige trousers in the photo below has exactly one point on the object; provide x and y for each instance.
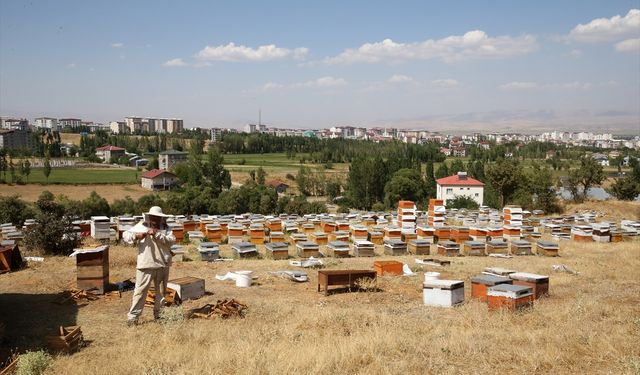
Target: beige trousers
(144, 278)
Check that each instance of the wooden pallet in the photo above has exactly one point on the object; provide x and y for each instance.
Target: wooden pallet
(170, 297)
(223, 308)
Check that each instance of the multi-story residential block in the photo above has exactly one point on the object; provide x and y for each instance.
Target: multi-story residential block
(170, 158)
(216, 134)
(69, 123)
(14, 123)
(118, 127)
(152, 125)
(49, 123)
(16, 139)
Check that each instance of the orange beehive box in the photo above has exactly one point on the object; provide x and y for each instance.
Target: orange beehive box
(342, 226)
(393, 233)
(436, 202)
(328, 226)
(406, 237)
(406, 205)
(319, 238)
(377, 238)
(425, 231)
(443, 233)
(224, 225)
(275, 225)
(481, 283)
(494, 232)
(189, 225)
(256, 231)
(509, 297)
(178, 233)
(235, 230)
(308, 228)
(340, 236)
(511, 230)
(276, 237)
(387, 267)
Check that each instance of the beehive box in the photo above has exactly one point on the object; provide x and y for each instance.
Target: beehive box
(298, 237)
(100, 227)
(339, 235)
(442, 233)
(187, 287)
(448, 248)
(387, 267)
(481, 283)
(319, 238)
(363, 249)
(499, 271)
(209, 251)
(359, 232)
(328, 226)
(443, 293)
(376, 238)
(538, 283)
(510, 297)
(244, 250)
(213, 232)
(547, 248)
(307, 249)
(497, 247)
(93, 269)
(521, 247)
(474, 248)
(395, 247)
(419, 247)
(276, 236)
(338, 249)
(277, 250)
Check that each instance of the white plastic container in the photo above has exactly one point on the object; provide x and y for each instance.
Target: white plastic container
(244, 278)
(443, 293)
(429, 276)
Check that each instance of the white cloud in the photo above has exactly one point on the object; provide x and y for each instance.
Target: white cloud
(629, 45)
(399, 78)
(319, 83)
(445, 83)
(174, 63)
(608, 29)
(232, 52)
(522, 86)
(472, 45)
(575, 53)
(71, 65)
(117, 45)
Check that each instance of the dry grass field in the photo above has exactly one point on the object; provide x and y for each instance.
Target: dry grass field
(589, 324)
(31, 192)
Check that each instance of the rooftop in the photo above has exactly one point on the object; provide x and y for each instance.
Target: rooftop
(155, 173)
(460, 179)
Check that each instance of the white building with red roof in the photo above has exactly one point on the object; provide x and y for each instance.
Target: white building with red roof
(110, 153)
(159, 179)
(460, 185)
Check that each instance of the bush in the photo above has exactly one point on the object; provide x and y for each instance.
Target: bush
(14, 210)
(462, 201)
(378, 206)
(33, 363)
(53, 231)
(343, 210)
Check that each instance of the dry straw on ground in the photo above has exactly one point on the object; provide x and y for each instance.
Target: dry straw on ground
(589, 324)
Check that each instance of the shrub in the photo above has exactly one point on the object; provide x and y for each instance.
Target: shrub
(462, 201)
(378, 206)
(14, 210)
(53, 231)
(33, 363)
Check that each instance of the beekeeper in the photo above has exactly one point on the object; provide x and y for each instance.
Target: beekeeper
(154, 240)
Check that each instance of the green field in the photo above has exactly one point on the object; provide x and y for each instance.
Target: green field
(85, 176)
(277, 162)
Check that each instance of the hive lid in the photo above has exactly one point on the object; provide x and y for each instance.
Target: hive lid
(509, 290)
(276, 245)
(490, 279)
(448, 244)
(443, 284)
(419, 242)
(474, 243)
(337, 244)
(499, 270)
(521, 243)
(497, 243)
(544, 243)
(531, 277)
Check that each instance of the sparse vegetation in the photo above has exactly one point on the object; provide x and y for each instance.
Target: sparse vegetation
(33, 363)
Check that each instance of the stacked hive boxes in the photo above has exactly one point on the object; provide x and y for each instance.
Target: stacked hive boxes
(340, 235)
(213, 232)
(521, 247)
(511, 232)
(435, 215)
(459, 234)
(419, 247)
(582, 233)
(474, 248)
(320, 238)
(395, 247)
(512, 215)
(209, 251)
(498, 246)
(375, 237)
(244, 250)
(407, 217)
(338, 249)
(426, 233)
(235, 233)
(274, 225)
(307, 249)
(100, 226)
(177, 229)
(547, 248)
(448, 248)
(478, 234)
(359, 232)
(363, 249)
(256, 233)
(392, 233)
(276, 236)
(601, 233)
(277, 250)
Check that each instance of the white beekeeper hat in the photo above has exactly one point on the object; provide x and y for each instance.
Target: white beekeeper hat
(156, 211)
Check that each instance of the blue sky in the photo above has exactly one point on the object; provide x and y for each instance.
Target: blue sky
(436, 65)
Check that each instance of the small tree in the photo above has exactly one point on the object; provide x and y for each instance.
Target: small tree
(260, 176)
(625, 189)
(25, 169)
(504, 176)
(47, 168)
(53, 230)
(588, 174)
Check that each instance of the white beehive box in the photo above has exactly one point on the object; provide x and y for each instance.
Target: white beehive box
(187, 287)
(443, 293)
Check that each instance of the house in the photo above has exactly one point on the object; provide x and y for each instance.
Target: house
(280, 187)
(458, 185)
(159, 179)
(168, 159)
(110, 154)
(601, 159)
